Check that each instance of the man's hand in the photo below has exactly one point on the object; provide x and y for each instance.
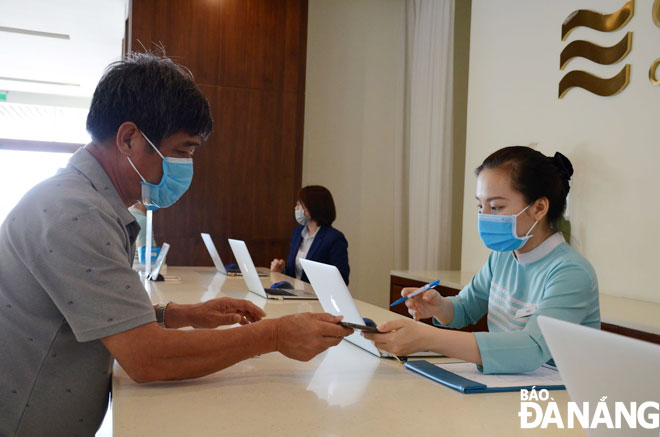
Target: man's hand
(213, 313)
(402, 337)
(277, 265)
(303, 336)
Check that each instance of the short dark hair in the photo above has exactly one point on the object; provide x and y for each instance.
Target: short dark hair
(535, 176)
(153, 92)
(319, 203)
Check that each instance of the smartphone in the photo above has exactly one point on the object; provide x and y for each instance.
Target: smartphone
(364, 328)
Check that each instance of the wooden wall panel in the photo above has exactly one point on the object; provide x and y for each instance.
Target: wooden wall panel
(248, 56)
(252, 44)
(295, 46)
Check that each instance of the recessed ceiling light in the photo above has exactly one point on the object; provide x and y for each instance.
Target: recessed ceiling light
(35, 33)
(43, 82)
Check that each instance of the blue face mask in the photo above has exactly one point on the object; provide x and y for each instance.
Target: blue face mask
(301, 218)
(498, 232)
(177, 176)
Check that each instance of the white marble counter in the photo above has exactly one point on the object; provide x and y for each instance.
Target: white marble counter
(344, 391)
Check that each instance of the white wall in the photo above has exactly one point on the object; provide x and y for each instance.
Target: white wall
(354, 127)
(612, 141)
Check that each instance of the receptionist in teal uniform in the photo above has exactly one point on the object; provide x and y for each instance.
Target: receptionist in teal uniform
(531, 271)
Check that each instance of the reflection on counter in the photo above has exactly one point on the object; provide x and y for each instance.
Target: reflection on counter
(344, 374)
(214, 287)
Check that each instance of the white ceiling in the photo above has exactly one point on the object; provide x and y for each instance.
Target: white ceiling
(95, 28)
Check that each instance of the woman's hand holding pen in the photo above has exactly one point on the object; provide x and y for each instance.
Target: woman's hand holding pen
(425, 305)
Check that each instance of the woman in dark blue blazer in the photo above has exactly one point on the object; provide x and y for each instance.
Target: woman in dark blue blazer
(315, 239)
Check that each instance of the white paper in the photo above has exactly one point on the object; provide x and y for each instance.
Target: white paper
(543, 376)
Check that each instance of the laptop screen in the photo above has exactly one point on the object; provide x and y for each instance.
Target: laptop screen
(215, 256)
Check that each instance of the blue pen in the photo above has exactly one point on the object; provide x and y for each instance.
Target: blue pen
(416, 292)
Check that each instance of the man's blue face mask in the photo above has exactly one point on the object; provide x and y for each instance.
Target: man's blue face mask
(177, 176)
(498, 232)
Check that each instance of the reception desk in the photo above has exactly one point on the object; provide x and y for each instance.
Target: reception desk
(630, 317)
(344, 391)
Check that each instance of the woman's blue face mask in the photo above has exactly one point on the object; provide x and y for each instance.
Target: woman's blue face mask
(498, 232)
(177, 176)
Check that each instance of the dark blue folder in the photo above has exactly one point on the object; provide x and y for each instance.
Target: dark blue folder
(461, 384)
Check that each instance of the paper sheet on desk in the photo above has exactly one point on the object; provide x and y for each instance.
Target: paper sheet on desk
(543, 376)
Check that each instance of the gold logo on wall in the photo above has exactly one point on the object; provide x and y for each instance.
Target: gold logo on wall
(601, 55)
(654, 66)
(596, 53)
(595, 84)
(656, 19)
(597, 21)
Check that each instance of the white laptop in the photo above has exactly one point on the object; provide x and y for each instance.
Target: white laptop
(594, 364)
(252, 280)
(336, 299)
(219, 266)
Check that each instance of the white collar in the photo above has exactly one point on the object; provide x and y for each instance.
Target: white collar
(305, 232)
(541, 250)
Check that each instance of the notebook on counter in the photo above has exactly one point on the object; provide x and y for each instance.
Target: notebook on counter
(466, 378)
